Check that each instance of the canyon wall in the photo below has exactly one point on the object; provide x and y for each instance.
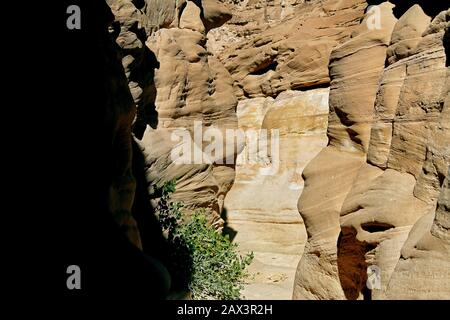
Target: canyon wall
(370, 196)
(278, 54)
(386, 154)
(176, 83)
(354, 169)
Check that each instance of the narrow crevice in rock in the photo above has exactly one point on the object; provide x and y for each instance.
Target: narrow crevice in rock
(376, 227)
(352, 265)
(431, 8)
(312, 86)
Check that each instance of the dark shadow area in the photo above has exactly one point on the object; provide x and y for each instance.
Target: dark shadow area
(153, 242)
(344, 119)
(431, 8)
(373, 227)
(264, 68)
(84, 232)
(174, 254)
(182, 7)
(352, 266)
(310, 86)
(146, 108)
(143, 73)
(447, 46)
(227, 230)
(374, 3)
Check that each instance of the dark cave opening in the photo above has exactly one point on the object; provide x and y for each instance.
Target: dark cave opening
(264, 68)
(373, 227)
(352, 266)
(431, 8)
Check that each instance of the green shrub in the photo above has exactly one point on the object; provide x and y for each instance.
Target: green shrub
(202, 259)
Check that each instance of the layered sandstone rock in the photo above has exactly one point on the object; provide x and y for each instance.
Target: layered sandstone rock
(416, 117)
(275, 54)
(166, 14)
(423, 269)
(355, 69)
(289, 53)
(191, 86)
(398, 122)
(176, 84)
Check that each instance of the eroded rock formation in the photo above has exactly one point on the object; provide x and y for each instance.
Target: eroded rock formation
(175, 83)
(378, 176)
(385, 120)
(261, 206)
(362, 112)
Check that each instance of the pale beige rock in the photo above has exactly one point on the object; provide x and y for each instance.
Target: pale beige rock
(188, 85)
(388, 96)
(193, 86)
(384, 202)
(437, 160)
(187, 82)
(262, 208)
(369, 198)
(380, 144)
(198, 179)
(328, 179)
(355, 69)
(420, 104)
(381, 208)
(423, 269)
(190, 18)
(169, 14)
(392, 212)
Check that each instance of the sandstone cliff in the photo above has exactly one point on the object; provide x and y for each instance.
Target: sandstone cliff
(387, 153)
(176, 82)
(387, 159)
(358, 101)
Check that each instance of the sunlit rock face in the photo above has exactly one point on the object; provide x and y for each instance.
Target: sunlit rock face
(176, 83)
(262, 204)
(393, 145)
(341, 118)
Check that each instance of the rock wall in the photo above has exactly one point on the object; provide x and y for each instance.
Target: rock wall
(362, 117)
(279, 67)
(292, 54)
(384, 166)
(175, 83)
(381, 170)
